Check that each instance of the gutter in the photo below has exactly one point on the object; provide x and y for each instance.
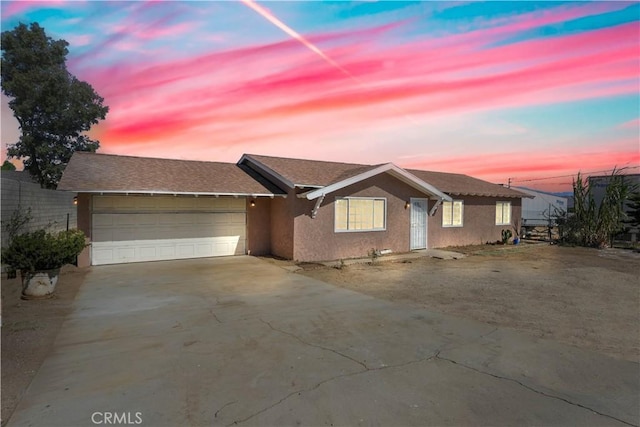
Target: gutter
(175, 193)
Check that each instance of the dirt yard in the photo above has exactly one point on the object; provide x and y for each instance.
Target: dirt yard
(29, 329)
(584, 297)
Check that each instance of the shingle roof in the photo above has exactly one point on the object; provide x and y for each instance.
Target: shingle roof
(320, 174)
(313, 173)
(92, 172)
(456, 184)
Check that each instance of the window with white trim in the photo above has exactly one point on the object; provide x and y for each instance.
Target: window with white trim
(503, 213)
(452, 213)
(360, 214)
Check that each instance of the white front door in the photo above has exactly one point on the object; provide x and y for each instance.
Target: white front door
(418, 224)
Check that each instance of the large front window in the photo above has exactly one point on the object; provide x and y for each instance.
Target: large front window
(503, 213)
(452, 213)
(360, 214)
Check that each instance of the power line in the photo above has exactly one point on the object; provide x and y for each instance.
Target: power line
(571, 175)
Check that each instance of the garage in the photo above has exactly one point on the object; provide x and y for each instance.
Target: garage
(154, 228)
(137, 209)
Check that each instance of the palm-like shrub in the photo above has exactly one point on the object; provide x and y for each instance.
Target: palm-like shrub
(593, 225)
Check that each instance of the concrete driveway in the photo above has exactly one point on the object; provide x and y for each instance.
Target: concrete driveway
(238, 341)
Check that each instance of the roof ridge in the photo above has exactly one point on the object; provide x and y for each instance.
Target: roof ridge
(154, 158)
(535, 191)
(446, 173)
(312, 160)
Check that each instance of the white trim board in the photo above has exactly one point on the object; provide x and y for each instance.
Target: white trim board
(389, 168)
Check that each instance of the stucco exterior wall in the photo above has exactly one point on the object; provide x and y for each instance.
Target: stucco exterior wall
(84, 224)
(282, 211)
(283, 226)
(316, 239)
(478, 223)
(259, 226)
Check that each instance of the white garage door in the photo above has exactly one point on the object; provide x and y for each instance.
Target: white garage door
(153, 228)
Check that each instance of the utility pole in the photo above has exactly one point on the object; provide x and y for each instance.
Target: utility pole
(550, 223)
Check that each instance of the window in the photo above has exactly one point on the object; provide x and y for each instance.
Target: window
(452, 213)
(503, 213)
(360, 214)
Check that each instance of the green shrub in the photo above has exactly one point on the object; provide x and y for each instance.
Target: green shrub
(40, 250)
(506, 235)
(17, 222)
(592, 224)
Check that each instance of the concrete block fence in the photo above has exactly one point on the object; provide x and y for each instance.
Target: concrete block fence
(49, 208)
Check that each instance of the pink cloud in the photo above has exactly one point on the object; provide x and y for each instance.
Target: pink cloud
(283, 90)
(13, 8)
(133, 33)
(282, 95)
(512, 24)
(522, 167)
(471, 92)
(155, 31)
(79, 40)
(631, 124)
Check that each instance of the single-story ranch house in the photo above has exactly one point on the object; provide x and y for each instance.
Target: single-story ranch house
(145, 209)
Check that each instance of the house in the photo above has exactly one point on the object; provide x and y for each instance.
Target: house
(146, 209)
(600, 183)
(539, 213)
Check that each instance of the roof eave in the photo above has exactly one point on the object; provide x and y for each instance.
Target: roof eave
(390, 168)
(175, 193)
(265, 169)
(508, 196)
(308, 186)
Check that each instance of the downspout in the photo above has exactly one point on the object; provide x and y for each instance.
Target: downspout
(314, 212)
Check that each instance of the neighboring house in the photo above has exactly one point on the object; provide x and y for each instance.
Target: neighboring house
(144, 209)
(542, 208)
(599, 184)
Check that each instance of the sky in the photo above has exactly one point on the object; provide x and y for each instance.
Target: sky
(526, 91)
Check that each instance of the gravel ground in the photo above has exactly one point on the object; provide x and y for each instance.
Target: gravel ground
(584, 297)
(29, 329)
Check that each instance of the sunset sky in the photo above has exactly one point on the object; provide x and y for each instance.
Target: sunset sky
(497, 90)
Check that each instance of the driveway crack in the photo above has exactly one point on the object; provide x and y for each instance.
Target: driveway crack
(333, 378)
(473, 342)
(317, 385)
(214, 315)
(210, 308)
(364, 365)
(293, 393)
(542, 393)
(224, 406)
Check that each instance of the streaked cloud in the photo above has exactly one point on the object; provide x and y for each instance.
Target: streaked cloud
(383, 84)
